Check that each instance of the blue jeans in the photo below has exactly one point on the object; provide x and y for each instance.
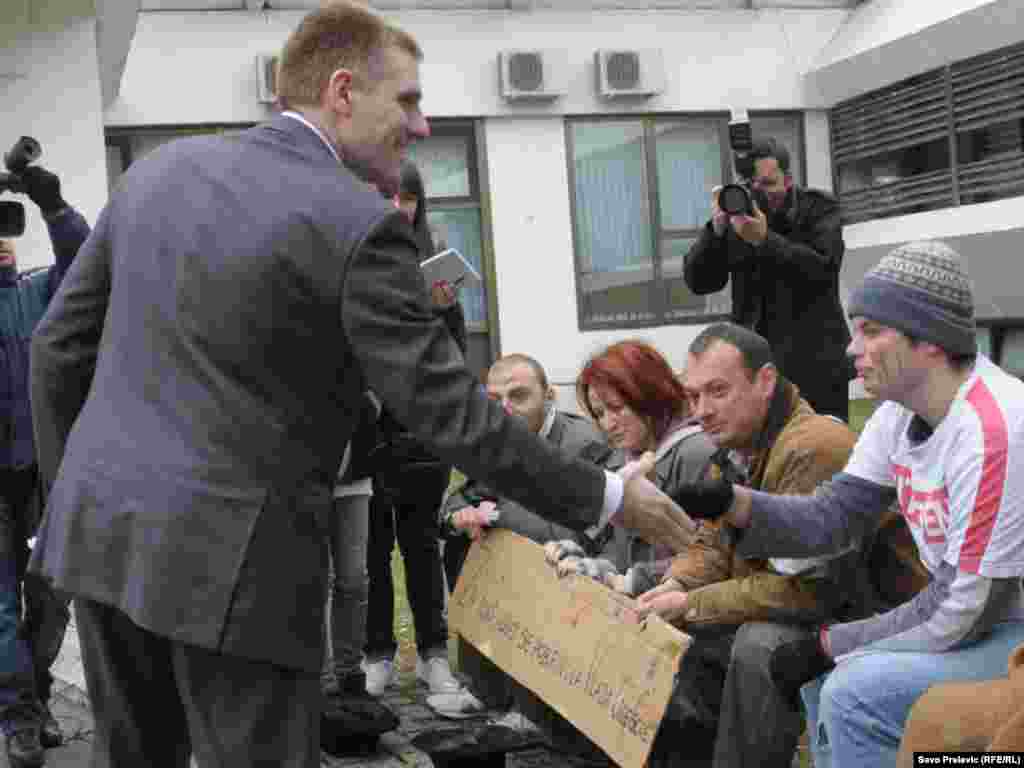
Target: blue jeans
(348, 591)
(856, 713)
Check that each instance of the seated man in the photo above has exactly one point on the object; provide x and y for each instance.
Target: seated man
(768, 437)
(946, 443)
(520, 383)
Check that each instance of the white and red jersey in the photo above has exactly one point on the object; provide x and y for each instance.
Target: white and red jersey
(961, 489)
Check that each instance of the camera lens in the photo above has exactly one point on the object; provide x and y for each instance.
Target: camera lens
(25, 151)
(734, 200)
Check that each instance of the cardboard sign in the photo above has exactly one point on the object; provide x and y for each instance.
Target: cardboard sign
(575, 643)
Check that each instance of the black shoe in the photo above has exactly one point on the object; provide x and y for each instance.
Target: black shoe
(23, 747)
(50, 733)
(351, 723)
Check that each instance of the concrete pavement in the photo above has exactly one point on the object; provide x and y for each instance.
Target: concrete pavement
(70, 705)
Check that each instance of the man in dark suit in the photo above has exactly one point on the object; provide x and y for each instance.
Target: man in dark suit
(197, 378)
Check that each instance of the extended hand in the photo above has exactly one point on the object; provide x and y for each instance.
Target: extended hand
(473, 520)
(649, 512)
(555, 551)
(667, 600)
(596, 568)
(752, 229)
(796, 663)
(443, 294)
(43, 189)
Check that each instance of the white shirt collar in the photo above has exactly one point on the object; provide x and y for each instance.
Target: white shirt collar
(297, 116)
(549, 421)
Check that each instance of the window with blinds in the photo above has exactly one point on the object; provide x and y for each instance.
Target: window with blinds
(947, 137)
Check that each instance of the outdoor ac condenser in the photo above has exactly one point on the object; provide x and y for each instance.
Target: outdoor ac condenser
(634, 72)
(532, 74)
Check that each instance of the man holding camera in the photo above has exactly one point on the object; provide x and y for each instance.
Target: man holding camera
(29, 641)
(783, 256)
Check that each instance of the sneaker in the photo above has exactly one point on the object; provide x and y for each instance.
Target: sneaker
(437, 675)
(456, 706)
(380, 675)
(516, 721)
(23, 747)
(50, 733)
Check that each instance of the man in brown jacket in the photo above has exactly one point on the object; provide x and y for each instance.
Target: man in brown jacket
(738, 610)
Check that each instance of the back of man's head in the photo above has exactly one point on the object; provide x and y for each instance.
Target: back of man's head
(340, 35)
(754, 349)
(922, 290)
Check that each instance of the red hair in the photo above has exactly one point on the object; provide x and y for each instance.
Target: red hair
(641, 376)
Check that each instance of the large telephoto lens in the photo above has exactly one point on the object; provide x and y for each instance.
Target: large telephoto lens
(735, 200)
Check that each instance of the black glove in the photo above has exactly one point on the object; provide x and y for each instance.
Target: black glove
(705, 499)
(798, 662)
(43, 189)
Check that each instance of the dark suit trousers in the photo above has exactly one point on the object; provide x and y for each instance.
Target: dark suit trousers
(157, 701)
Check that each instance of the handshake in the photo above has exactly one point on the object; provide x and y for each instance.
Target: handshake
(645, 509)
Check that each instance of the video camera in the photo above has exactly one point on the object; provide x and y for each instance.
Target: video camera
(737, 199)
(25, 151)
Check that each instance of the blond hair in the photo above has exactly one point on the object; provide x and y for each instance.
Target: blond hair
(341, 34)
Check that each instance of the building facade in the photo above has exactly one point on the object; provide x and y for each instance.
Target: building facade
(577, 180)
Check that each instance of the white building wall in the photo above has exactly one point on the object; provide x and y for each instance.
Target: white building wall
(534, 259)
(189, 68)
(50, 86)
(199, 67)
(885, 41)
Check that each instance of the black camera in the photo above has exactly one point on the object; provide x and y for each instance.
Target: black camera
(735, 199)
(25, 151)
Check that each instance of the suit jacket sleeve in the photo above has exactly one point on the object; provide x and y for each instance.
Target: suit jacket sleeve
(409, 358)
(64, 349)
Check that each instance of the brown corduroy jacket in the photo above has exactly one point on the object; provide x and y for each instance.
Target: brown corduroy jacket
(797, 450)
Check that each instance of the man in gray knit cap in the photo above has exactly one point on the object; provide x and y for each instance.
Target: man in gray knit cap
(947, 442)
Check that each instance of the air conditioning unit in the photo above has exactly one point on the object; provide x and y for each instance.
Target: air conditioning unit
(629, 72)
(266, 78)
(532, 74)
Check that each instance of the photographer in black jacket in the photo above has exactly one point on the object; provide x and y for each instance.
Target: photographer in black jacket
(784, 261)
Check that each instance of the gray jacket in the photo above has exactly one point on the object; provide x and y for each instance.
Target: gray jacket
(200, 370)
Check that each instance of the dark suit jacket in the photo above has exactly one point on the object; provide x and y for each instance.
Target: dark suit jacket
(200, 372)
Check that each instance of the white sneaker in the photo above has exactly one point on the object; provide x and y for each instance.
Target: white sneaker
(380, 675)
(457, 706)
(516, 721)
(437, 675)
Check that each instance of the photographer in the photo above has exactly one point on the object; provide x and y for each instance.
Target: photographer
(29, 642)
(784, 258)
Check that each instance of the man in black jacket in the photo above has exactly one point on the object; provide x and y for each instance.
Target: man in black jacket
(784, 262)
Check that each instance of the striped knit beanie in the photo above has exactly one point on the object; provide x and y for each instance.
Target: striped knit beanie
(921, 289)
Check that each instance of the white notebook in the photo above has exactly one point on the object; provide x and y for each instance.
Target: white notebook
(448, 265)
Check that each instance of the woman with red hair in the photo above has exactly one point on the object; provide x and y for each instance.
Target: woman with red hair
(632, 394)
